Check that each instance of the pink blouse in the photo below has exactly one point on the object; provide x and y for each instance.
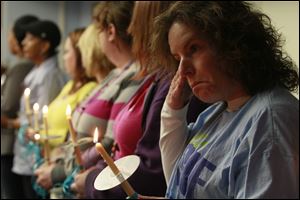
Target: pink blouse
(128, 123)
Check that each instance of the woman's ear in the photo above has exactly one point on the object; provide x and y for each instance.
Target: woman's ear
(45, 47)
(111, 31)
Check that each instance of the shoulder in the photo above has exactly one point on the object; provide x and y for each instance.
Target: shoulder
(278, 102)
(271, 118)
(68, 86)
(20, 69)
(87, 87)
(23, 65)
(162, 85)
(90, 84)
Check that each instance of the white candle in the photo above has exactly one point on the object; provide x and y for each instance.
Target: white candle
(68, 111)
(37, 137)
(69, 119)
(110, 162)
(47, 147)
(36, 116)
(73, 136)
(27, 105)
(27, 101)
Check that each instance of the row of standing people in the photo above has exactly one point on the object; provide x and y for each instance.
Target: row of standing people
(249, 105)
(116, 82)
(127, 89)
(37, 43)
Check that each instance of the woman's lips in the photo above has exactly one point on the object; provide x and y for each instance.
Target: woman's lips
(199, 83)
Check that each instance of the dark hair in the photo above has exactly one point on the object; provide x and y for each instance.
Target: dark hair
(18, 27)
(245, 43)
(48, 31)
(117, 13)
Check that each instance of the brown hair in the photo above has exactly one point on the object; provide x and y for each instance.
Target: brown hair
(141, 27)
(245, 43)
(74, 38)
(117, 13)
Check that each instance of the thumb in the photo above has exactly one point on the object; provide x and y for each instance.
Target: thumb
(37, 172)
(73, 187)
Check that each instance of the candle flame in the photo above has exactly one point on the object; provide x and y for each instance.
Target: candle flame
(45, 109)
(27, 92)
(37, 136)
(36, 107)
(96, 135)
(68, 111)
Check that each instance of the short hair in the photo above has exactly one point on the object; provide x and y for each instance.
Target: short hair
(91, 53)
(245, 43)
(18, 27)
(47, 31)
(117, 13)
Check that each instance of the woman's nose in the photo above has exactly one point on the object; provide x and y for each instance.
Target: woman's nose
(186, 66)
(23, 42)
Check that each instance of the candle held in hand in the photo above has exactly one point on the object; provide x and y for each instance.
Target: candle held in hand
(110, 162)
(73, 136)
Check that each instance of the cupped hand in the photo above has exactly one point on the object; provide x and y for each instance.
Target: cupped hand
(43, 174)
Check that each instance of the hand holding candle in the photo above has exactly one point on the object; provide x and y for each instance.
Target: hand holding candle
(124, 183)
(73, 136)
(46, 147)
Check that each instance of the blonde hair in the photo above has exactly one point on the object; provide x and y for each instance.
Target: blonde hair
(92, 56)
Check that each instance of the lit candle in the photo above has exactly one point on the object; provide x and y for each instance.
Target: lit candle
(124, 183)
(36, 116)
(73, 136)
(27, 102)
(46, 147)
(27, 105)
(37, 137)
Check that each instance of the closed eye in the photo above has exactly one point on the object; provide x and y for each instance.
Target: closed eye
(194, 48)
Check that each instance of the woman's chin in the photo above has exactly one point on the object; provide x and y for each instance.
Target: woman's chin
(204, 95)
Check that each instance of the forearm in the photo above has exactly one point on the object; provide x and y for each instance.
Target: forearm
(12, 123)
(173, 136)
(58, 174)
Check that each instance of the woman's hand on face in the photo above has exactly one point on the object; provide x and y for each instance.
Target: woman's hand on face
(179, 93)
